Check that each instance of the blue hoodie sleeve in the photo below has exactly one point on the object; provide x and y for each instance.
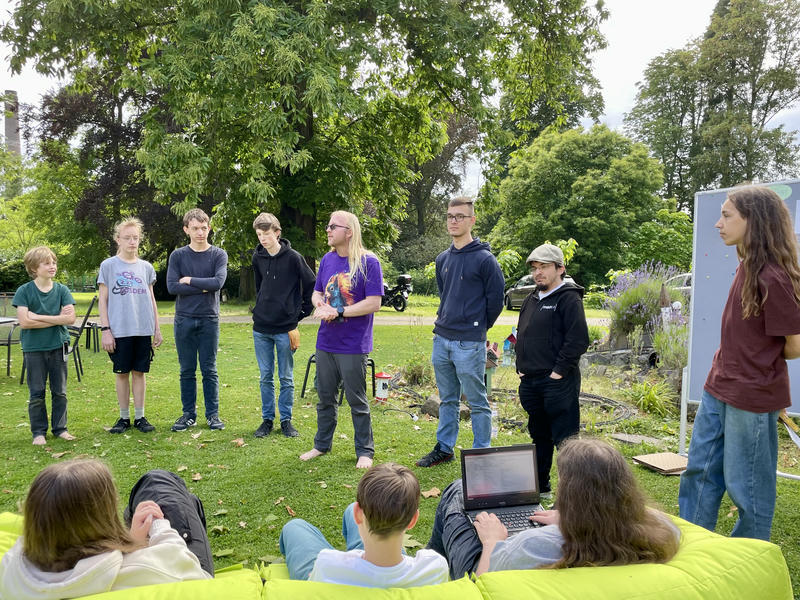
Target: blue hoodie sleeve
(494, 288)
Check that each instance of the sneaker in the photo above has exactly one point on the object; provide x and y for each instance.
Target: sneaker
(143, 425)
(435, 457)
(215, 422)
(184, 422)
(264, 429)
(121, 426)
(288, 429)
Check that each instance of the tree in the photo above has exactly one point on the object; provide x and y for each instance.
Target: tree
(706, 110)
(595, 186)
(667, 239)
(301, 108)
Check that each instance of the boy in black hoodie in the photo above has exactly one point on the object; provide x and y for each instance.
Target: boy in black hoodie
(551, 338)
(284, 285)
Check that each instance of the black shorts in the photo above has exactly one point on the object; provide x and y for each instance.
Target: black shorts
(134, 353)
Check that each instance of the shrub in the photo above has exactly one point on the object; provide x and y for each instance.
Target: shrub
(634, 299)
(595, 297)
(672, 346)
(418, 370)
(597, 333)
(657, 398)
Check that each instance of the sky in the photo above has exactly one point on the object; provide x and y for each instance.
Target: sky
(636, 30)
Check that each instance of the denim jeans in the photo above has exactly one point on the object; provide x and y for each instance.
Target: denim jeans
(40, 366)
(453, 535)
(734, 450)
(459, 368)
(553, 415)
(198, 337)
(267, 345)
(301, 542)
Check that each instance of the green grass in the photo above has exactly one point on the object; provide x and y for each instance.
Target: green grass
(418, 306)
(248, 489)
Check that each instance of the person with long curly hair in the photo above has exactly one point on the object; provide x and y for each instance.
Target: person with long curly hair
(602, 519)
(734, 445)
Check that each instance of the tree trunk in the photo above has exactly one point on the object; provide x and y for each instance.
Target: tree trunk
(247, 284)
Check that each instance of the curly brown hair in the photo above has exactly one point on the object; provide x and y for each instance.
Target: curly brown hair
(769, 238)
(603, 515)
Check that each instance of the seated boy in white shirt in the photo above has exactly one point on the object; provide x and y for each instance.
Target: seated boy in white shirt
(386, 506)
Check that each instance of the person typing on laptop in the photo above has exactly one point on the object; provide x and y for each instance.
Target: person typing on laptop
(602, 519)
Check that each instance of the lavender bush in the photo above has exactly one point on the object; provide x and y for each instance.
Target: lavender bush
(634, 298)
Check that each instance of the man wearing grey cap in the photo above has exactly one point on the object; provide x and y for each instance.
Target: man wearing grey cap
(551, 338)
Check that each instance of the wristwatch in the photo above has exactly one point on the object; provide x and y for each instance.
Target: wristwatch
(105, 328)
(340, 310)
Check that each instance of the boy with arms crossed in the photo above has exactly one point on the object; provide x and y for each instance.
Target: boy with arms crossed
(44, 309)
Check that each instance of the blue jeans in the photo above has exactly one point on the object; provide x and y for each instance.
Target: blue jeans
(41, 366)
(459, 368)
(198, 337)
(301, 542)
(267, 345)
(734, 450)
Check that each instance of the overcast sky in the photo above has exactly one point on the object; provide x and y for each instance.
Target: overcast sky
(636, 30)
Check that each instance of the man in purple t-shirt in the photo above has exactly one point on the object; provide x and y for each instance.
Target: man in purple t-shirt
(348, 290)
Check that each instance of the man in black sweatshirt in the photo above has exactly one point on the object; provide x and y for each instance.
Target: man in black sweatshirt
(284, 285)
(551, 338)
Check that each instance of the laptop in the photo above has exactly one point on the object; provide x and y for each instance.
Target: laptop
(501, 480)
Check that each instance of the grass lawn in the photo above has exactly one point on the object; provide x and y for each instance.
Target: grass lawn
(251, 487)
(418, 306)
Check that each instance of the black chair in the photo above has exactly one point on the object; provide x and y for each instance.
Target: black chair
(313, 359)
(8, 340)
(74, 347)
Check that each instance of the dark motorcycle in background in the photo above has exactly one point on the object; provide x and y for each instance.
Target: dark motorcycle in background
(397, 296)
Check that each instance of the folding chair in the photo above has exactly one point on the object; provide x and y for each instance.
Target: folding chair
(313, 359)
(74, 348)
(9, 339)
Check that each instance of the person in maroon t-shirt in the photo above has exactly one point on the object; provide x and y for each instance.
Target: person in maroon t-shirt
(734, 444)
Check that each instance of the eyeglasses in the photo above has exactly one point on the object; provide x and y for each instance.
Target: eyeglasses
(334, 227)
(457, 218)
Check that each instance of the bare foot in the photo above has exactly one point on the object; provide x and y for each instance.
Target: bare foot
(39, 440)
(313, 453)
(66, 435)
(364, 462)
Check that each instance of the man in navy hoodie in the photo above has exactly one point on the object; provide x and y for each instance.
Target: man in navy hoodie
(284, 285)
(552, 337)
(471, 287)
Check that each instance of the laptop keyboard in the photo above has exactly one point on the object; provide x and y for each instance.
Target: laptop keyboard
(516, 520)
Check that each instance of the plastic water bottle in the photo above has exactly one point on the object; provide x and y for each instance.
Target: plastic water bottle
(495, 421)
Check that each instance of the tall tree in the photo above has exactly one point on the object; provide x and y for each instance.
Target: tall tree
(707, 110)
(595, 186)
(303, 107)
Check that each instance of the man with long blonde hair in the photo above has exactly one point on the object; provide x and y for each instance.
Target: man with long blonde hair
(734, 445)
(347, 292)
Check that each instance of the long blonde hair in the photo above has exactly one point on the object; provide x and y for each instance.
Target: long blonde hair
(356, 253)
(70, 514)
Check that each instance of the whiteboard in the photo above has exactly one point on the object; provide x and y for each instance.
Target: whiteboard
(714, 268)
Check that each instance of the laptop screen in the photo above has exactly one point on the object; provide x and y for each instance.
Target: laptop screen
(499, 476)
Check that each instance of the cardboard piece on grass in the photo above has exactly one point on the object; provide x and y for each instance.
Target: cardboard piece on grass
(666, 463)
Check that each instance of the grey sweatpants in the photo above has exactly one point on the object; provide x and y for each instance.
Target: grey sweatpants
(351, 371)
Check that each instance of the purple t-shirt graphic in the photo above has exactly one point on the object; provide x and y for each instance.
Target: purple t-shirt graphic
(354, 334)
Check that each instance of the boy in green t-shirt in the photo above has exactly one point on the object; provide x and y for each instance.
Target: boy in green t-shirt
(44, 309)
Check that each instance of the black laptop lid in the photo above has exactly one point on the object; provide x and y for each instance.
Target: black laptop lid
(500, 476)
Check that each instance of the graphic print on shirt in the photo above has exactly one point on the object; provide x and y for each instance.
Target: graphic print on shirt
(127, 282)
(337, 290)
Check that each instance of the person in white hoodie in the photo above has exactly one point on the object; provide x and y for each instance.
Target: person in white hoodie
(74, 544)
